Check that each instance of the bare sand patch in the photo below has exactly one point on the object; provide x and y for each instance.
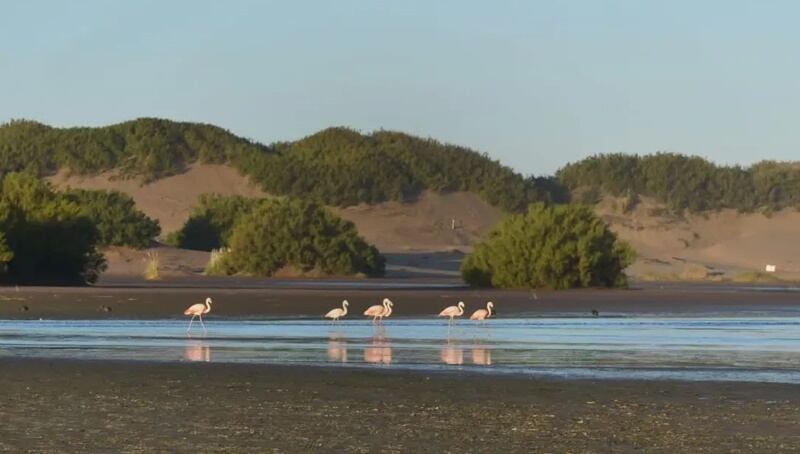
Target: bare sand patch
(170, 200)
(710, 246)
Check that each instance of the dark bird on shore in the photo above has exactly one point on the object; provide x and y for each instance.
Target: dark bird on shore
(105, 308)
(24, 309)
(595, 313)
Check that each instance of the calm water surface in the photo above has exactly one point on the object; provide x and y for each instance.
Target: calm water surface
(765, 349)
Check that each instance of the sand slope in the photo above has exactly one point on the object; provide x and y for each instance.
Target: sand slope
(170, 200)
(723, 244)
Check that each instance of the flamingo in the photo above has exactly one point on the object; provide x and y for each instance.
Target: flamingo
(379, 311)
(453, 311)
(197, 310)
(336, 314)
(483, 314)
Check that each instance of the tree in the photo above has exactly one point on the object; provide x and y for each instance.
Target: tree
(299, 235)
(212, 220)
(49, 236)
(556, 247)
(114, 214)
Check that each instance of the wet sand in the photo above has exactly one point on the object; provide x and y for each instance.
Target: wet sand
(57, 406)
(312, 299)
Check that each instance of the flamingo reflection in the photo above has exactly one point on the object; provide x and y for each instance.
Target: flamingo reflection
(197, 351)
(452, 354)
(379, 351)
(481, 355)
(337, 348)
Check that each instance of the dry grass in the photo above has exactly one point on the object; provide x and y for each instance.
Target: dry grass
(214, 265)
(755, 277)
(152, 264)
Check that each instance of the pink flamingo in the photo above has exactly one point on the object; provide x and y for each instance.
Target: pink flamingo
(379, 311)
(483, 314)
(453, 311)
(197, 310)
(336, 314)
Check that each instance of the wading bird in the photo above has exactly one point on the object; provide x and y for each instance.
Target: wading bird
(453, 311)
(483, 314)
(336, 314)
(197, 310)
(379, 311)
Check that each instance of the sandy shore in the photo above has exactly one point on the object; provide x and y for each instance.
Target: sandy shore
(53, 406)
(169, 300)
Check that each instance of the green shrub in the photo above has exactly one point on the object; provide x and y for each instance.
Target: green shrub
(174, 238)
(301, 235)
(557, 247)
(5, 254)
(118, 221)
(212, 220)
(51, 238)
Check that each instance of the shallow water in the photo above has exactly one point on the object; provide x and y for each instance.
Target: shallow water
(763, 349)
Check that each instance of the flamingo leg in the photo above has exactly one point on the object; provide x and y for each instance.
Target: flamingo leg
(190, 324)
(201, 322)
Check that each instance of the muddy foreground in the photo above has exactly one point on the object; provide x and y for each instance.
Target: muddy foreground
(57, 406)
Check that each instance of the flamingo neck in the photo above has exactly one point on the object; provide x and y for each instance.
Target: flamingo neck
(208, 308)
(344, 309)
(460, 310)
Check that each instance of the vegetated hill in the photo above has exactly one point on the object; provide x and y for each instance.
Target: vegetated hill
(336, 166)
(424, 224)
(685, 182)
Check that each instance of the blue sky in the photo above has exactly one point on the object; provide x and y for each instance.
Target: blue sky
(534, 84)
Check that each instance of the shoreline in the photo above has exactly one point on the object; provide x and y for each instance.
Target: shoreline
(132, 406)
(155, 301)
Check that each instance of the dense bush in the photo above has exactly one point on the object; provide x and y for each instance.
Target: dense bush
(559, 247)
(686, 182)
(49, 235)
(336, 166)
(212, 220)
(114, 214)
(5, 254)
(298, 235)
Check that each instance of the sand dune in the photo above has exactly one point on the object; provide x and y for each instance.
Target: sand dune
(720, 245)
(170, 200)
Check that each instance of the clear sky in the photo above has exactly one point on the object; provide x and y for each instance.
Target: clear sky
(534, 84)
